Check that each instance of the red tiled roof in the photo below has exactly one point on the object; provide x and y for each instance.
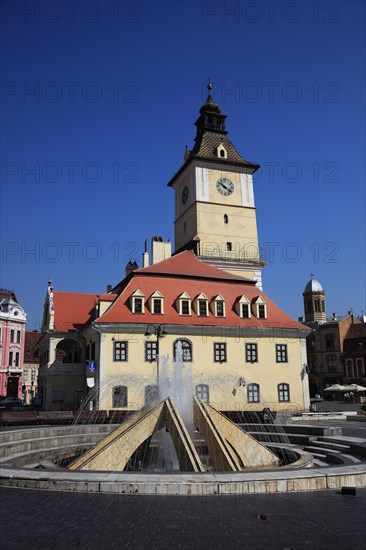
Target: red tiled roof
(73, 309)
(357, 330)
(184, 273)
(30, 347)
(185, 264)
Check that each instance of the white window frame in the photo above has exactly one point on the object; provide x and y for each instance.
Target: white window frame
(214, 303)
(220, 352)
(255, 307)
(253, 393)
(156, 296)
(124, 391)
(203, 393)
(123, 356)
(200, 298)
(140, 295)
(184, 297)
(239, 307)
(283, 388)
(280, 350)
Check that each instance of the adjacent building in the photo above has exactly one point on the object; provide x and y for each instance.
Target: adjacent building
(326, 341)
(30, 367)
(12, 330)
(354, 355)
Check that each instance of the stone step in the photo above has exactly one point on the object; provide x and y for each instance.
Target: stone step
(298, 428)
(28, 445)
(37, 455)
(330, 445)
(298, 439)
(332, 456)
(357, 445)
(320, 463)
(38, 433)
(53, 437)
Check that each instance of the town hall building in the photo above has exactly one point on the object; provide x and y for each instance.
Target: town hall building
(202, 306)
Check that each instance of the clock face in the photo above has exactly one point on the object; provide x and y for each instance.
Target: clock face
(224, 186)
(185, 194)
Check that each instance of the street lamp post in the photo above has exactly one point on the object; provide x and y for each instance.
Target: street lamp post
(158, 331)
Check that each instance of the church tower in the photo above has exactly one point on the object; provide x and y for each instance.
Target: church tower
(215, 213)
(314, 302)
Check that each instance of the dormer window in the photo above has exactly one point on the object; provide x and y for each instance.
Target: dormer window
(218, 306)
(157, 306)
(137, 302)
(259, 308)
(156, 303)
(242, 307)
(221, 151)
(184, 304)
(201, 305)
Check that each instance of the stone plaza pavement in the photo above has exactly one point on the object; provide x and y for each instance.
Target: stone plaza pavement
(60, 520)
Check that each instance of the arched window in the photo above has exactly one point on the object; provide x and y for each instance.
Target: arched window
(226, 218)
(222, 153)
(253, 393)
(360, 367)
(182, 346)
(203, 392)
(151, 394)
(329, 341)
(349, 368)
(283, 392)
(119, 396)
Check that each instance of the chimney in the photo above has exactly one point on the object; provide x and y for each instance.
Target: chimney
(131, 266)
(160, 250)
(109, 289)
(334, 316)
(145, 256)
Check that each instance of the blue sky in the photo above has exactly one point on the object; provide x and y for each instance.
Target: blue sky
(117, 86)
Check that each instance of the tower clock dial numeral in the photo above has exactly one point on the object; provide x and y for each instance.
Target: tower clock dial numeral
(224, 186)
(185, 194)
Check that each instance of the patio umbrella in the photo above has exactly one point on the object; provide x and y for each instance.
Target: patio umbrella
(354, 387)
(335, 387)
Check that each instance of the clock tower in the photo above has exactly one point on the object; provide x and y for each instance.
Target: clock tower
(214, 201)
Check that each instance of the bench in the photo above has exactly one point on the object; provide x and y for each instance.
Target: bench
(19, 417)
(56, 417)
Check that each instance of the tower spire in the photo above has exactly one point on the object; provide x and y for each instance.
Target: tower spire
(209, 87)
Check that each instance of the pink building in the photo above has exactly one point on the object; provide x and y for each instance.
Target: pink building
(12, 337)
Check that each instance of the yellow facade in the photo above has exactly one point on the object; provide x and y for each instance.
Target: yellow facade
(228, 381)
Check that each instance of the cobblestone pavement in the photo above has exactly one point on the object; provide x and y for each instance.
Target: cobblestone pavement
(50, 520)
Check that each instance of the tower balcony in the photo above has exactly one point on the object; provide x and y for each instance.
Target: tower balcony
(247, 259)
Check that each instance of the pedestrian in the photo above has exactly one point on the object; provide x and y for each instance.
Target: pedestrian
(346, 397)
(351, 396)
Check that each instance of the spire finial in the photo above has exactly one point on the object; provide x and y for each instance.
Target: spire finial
(312, 275)
(209, 86)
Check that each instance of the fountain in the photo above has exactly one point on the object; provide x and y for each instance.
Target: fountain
(181, 422)
(176, 445)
